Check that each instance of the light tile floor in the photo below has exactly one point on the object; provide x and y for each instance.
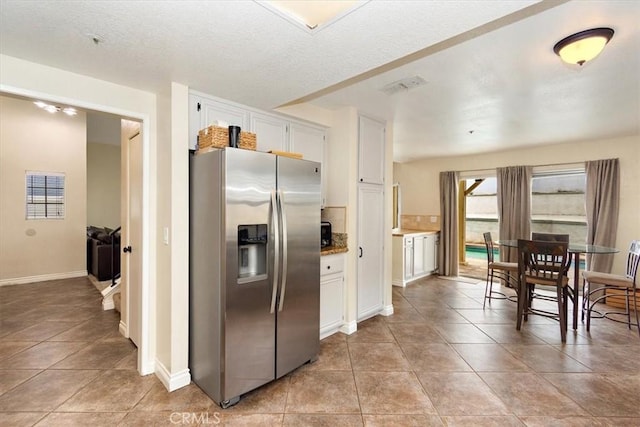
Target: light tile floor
(439, 360)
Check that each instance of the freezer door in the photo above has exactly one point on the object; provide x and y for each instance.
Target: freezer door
(249, 331)
(298, 308)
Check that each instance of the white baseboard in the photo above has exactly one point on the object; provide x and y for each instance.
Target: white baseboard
(387, 310)
(124, 330)
(349, 327)
(398, 282)
(172, 381)
(43, 278)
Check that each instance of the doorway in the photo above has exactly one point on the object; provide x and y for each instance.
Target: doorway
(478, 213)
(146, 362)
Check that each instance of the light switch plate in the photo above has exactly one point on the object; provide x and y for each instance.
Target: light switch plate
(165, 235)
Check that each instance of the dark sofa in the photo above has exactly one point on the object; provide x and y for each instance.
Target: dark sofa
(99, 252)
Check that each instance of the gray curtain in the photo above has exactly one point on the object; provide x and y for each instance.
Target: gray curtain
(448, 250)
(514, 207)
(602, 200)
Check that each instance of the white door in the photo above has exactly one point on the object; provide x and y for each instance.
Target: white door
(132, 238)
(408, 258)
(310, 142)
(371, 146)
(418, 256)
(370, 250)
(430, 253)
(271, 132)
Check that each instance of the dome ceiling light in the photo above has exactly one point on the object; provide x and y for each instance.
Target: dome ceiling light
(312, 15)
(581, 47)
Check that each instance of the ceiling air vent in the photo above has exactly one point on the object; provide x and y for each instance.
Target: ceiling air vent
(403, 85)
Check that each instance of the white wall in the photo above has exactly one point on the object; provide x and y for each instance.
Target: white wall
(103, 185)
(419, 180)
(32, 139)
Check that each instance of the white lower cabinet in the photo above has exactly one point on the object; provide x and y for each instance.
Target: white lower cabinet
(414, 256)
(331, 294)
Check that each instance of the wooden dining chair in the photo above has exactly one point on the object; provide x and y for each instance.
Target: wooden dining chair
(573, 293)
(543, 263)
(506, 272)
(624, 284)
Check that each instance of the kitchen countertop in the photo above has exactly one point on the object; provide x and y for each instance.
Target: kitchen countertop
(404, 232)
(330, 250)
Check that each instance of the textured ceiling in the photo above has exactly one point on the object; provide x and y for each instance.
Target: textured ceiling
(488, 64)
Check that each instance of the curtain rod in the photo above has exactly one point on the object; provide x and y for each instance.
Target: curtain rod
(535, 166)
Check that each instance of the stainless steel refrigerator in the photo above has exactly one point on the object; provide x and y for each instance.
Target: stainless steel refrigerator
(254, 278)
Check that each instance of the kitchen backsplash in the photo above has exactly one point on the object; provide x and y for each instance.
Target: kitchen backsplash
(420, 222)
(337, 216)
(339, 239)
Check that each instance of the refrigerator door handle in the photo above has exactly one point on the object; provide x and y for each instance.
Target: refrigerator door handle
(283, 216)
(276, 249)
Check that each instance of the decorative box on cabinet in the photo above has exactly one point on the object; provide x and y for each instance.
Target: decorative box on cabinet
(331, 294)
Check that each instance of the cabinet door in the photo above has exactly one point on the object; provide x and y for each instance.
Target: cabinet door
(371, 144)
(418, 256)
(430, 253)
(331, 303)
(370, 250)
(205, 112)
(408, 258)
(271, 132)
(310, 142)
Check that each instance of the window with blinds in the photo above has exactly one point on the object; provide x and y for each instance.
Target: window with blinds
(45, 195)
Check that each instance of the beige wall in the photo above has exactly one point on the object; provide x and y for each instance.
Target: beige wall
(103, 185)
(32, 139)
(419, 180)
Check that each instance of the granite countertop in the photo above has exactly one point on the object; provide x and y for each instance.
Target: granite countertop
(333, 249)
(404, 232)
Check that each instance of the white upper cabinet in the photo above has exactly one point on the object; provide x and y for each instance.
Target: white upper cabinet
(271, 132)
(308, 141)
(371, 147)
(205, 112)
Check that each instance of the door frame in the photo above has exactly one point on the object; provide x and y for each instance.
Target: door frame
(146, 349)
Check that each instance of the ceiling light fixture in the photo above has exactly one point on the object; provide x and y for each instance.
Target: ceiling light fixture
(312, 15)
(69, 111)
(581, 47)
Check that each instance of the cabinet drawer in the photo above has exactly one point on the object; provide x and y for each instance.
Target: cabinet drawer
(331, 264)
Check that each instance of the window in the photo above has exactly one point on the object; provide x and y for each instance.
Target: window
(45, 195)
(558, 203)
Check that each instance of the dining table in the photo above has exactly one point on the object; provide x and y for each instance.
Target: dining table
(574, 249)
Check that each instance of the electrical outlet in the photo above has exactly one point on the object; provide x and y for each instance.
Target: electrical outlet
(434, 219)
(418, 218)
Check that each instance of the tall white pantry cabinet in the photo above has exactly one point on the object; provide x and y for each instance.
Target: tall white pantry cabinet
(370, 279)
